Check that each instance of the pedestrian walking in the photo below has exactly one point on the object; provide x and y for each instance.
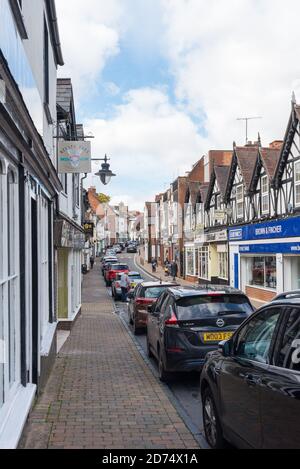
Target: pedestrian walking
(174, 270)
(92, 262)
(167, 268)
(125, 286)
(154, 265)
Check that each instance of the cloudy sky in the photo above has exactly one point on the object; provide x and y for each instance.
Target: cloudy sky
(161, 82)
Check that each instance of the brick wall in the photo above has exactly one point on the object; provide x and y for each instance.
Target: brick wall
(259, 294)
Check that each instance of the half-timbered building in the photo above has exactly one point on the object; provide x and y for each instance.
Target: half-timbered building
(265, 245)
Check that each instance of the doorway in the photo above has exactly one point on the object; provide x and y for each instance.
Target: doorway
(34, 291)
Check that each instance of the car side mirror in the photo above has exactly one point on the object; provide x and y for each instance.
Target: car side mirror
(225, 348)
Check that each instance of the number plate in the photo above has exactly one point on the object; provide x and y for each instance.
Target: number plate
(217, 336)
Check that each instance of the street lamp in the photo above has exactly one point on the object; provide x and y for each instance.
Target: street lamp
(105, 173)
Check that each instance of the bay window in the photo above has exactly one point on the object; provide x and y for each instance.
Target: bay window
(9, 284)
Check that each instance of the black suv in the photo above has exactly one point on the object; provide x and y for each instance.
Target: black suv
(251, 387)
(187, 323)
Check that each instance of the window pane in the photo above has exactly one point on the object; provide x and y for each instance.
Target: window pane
(255, 339)
(289, 354)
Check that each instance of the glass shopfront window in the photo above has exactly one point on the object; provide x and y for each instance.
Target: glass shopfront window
(203, 265)
(190, 262)
(262, 272)
(295, 263)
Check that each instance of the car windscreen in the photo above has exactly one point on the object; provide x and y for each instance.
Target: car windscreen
(119, 267)
(215, 305)
(135, 277)
(153, 292)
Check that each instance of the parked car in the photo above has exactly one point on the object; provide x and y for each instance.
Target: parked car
(135, 279)
(187, 323)
(112, 271)
(288, 295)
(251, 386)
(107, 261)
(144, 295)
(131, 249)
(117, 248)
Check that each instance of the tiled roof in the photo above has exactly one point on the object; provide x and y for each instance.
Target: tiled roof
(247, 158)
(80, 131)
(64, 95)
(270, 158)
(222, 173)
(203, 192)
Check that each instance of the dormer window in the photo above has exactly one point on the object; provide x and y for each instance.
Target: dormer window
(240, 201)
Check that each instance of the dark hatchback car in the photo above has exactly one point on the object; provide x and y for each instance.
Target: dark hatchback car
(132, 249)
(251, 387)
(187, 323)
(143, 297)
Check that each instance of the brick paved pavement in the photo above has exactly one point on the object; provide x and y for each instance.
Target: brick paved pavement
(101, 394)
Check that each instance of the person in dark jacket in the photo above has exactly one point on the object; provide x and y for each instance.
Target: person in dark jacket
(174, 270)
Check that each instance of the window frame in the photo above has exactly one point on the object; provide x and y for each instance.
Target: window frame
(221, 269)
(240, 202)
(204, 271)
(297, 182)
(265, 196)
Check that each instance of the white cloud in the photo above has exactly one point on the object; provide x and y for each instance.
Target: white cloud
(90, 34)
(150, 141)
(232, 59)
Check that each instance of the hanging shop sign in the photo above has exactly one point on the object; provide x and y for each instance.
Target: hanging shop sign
(219, 215)
(89, 228)
(74, 157)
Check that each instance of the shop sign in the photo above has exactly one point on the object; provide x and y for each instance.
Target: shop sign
(89, 228)
(219, 215)
(74, 157)
(273, 248)
(67, 236)
(289, 228)
(218, 236)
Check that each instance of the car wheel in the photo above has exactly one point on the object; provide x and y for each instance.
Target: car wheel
(149, 352)
(136, 330)
(130, 318)
(164, 376)
(212, 426)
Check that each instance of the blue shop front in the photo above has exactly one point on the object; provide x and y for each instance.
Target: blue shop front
(265, 258)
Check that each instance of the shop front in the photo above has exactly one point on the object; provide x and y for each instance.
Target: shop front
(69, 242)
(265, 258)
(217, 242)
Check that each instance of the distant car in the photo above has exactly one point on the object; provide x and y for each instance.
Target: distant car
(135, 279)
(117, 248)
(250, 387)
(131, 249)
(187, 323)
(112, 271)
(144, 295)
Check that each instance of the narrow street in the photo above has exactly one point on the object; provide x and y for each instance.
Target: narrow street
(101, 393)
(185, 387)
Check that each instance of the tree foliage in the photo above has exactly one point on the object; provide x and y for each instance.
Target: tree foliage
(104, 199)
